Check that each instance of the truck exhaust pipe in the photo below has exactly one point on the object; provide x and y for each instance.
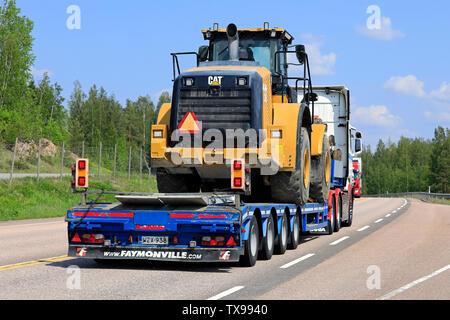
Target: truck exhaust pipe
(233, 42)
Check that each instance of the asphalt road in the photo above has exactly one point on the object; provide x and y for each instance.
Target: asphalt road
(395, 249)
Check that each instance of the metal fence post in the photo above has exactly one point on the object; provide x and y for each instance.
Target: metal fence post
(129, 164)
(99, 158)
(140, 163)
(38, 161)
(115, 158)
(82, 150)
(62, 162)
(12, 162)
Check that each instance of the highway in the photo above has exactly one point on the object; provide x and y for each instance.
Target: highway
(395, 249)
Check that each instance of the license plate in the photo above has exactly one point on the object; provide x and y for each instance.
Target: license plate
(154, 240)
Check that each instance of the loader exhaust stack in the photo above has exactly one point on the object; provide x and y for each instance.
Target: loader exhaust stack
(233, 42)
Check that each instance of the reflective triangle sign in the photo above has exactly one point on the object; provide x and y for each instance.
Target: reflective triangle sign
(189, 124)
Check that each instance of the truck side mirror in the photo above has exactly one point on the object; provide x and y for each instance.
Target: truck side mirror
(357, 145)
(203, 53)
(300, 53)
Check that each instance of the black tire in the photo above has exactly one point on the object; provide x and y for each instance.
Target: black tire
(331, 221)
(282, 239)
(321, 174)
(293, 187)
(251, 245)
(349, 221)
(337, 224)
(294, 238)
(268, 242)
(172, 183)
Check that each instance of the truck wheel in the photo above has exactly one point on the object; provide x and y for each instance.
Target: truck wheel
(268, 243)
(349, 221)
(251, 245)
(294, 239)
(337, 220)
(293, 187)
(172, 183)
(321, 174)
(331, 220)
(281, 245)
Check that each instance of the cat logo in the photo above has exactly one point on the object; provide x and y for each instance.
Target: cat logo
(215, 80)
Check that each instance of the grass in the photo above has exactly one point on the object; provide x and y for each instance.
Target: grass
(28, 199)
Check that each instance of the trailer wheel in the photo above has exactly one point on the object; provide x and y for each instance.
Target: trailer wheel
(349, 221)
(172, 183)
(281, 245)
(331, 220)
(294, 238)
(268, 242)
(321, 174)
(293, 187)
(251, 245)
(337, 220)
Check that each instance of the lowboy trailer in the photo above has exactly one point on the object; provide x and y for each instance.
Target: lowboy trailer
(202, 227)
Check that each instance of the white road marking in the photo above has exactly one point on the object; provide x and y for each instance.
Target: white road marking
(287, 265)
(388, 215)
(412, 284)
(379, 220)
(339, 240)
(226, 293)
(364, 228)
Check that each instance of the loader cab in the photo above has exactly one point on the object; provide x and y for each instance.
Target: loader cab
(263, 47)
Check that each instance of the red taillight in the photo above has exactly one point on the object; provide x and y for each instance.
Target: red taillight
(238, 182)
(76, 238)
(92, 238)
(81, 181)
(237, 165)
(130, 239)
(213, 241)
(81, 164)
(231, 242)
(175, 240)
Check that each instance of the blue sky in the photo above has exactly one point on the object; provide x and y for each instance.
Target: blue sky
(398, 74)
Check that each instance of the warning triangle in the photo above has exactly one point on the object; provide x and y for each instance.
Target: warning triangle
(189, 124)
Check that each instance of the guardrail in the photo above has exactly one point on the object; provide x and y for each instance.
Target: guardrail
(442, 198)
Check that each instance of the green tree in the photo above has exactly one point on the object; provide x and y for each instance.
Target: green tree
(16, 60)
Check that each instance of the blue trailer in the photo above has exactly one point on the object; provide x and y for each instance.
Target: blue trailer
(202, 227)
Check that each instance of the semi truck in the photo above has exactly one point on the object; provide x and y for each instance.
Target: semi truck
(247, 160)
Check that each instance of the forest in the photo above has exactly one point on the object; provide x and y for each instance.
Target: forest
(31, 109)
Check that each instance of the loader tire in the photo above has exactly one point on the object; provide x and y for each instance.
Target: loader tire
(293, 187)
(321, 174)
(173, 183)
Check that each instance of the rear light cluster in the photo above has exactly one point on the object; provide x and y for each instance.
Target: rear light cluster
(89, 238)
(218, 241)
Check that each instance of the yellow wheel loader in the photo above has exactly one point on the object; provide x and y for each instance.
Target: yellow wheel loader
(235, 123)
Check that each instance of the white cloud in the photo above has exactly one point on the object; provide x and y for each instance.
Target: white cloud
(320, 64)
(443, 93)
(384, 33)
(40, 72)
(409, 85)
(375, 115)
(441, 116)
